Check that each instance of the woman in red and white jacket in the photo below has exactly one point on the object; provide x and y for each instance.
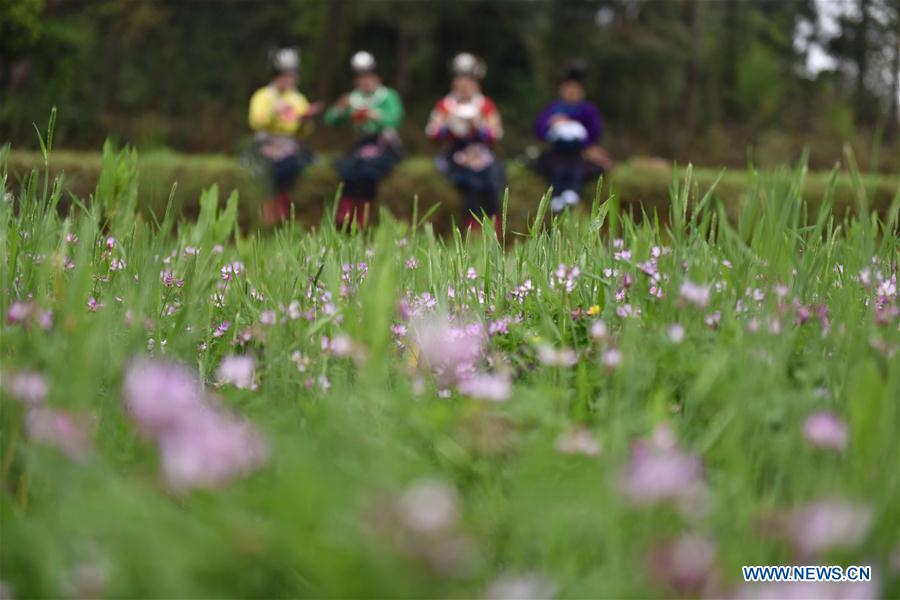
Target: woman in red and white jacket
(468, 124)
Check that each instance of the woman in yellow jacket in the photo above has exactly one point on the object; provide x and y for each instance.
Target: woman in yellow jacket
(280, 115)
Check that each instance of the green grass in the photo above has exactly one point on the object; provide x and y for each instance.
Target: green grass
(638, 184)
(331, 512)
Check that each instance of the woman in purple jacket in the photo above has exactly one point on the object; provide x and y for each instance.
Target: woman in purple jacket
(573, 127)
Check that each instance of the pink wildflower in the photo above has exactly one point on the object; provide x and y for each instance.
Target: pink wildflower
(19, 311)
(495, 388)
(824, 429)
(237, 370)
(199, 444)
(824, 525)
(578, 440)
(675, 332)
(28, 387)
(564, 278)
(563, 357)
(232, 271)
(695, 294)
(59, 429)
(429, 506)
(209, 450)
(612, 358)
(599, 331)
(158, 395)
(446, 349)
(660, 471)
(221, 328)
(686, 564)
(804, 590)
(529, 586)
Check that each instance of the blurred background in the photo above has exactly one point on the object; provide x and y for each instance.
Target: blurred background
(681, 79)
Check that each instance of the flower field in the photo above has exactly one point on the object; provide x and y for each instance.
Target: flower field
(598, 406)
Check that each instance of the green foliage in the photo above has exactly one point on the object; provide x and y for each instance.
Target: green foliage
(667, 75)
(760, 85)
(20, 25)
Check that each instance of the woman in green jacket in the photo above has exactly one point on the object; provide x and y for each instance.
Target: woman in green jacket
(375, 111)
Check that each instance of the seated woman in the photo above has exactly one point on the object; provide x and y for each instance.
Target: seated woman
(280, 115)
(375, 111)
(468, 123)
(573, 127)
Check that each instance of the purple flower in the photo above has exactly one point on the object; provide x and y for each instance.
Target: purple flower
(232, 270)
(168, 279)
(578, 440)
(221, 328)
(237, 370)
(28, 387)
(210, 449)
(18, 311)
(824, 429)
(695, 294)
(675, 332)
(93, 305)
(499, 327)
(550, 356)
(268, 317)
(412, 263)
(599, 331)
(445, 349)
(342, 346)
(324, 383)
(650, 268)
(429, 506)
(626, 310)
(822, 315)
(686, 564)
(887, 287)
(612, 358)
(564, 278)
(199, 444)
(520, 292)
(529, 586)
(824, 525)
(660, 471)
(158, 395)
(801, 314)
(495, 388)
(59, 429)
(622, 255)
(804, 590)
(45, 319)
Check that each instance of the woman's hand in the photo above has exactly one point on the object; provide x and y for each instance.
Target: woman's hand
(314, 109)
(343, 102)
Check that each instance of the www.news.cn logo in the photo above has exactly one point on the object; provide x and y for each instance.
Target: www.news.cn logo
(757, 573)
